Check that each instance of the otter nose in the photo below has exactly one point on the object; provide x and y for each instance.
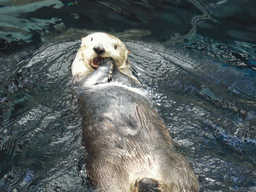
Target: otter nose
(99, 49)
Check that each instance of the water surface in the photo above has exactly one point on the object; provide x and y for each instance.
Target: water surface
(196, 61)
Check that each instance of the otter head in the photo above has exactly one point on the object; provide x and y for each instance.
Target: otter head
(97, 46)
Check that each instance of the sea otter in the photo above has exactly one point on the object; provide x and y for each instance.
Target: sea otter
(96, 46)
(129, 147)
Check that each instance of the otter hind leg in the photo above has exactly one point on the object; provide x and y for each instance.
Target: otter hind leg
(147, 185)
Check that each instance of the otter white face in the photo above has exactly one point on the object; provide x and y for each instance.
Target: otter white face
(96, 46)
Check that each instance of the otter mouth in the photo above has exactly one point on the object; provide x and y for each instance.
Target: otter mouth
(97, 61)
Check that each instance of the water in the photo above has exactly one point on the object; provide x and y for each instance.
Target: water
(205, 104)
(202, 81)
(41, 128)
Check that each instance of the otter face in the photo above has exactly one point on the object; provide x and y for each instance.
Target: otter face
(96, 46)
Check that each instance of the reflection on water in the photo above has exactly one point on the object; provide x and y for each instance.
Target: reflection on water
(209, 107)
(40, 129)
(30, 22)
(205, 89)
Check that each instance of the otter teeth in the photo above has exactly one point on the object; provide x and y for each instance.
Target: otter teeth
(96, 62)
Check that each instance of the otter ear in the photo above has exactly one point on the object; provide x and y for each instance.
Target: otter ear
(128, 51)
(83, 41)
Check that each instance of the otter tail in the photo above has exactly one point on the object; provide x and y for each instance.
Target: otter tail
(147, 185)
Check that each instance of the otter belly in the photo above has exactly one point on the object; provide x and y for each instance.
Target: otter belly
(128, 143)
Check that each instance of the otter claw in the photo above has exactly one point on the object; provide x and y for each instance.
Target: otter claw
(111, 72)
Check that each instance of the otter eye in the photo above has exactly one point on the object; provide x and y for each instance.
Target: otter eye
(91, 38)
(115, 46)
